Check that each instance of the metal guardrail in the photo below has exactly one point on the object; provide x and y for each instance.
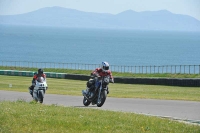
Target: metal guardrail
(173, 69)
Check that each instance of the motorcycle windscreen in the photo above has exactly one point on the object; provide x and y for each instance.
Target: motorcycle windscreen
(40, 79)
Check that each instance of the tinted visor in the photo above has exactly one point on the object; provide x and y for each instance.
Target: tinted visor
(106, 67)
(40, 72)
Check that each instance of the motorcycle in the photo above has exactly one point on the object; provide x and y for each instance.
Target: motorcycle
(98, 91)
(40, 89)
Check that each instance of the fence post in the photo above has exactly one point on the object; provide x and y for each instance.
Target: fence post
(175, 69)
(189, 69)
(128, 68)
(135, 69)
(142, 69)
(171, 69)
(184, 69)
(139, 69)
(131, 69)
(146, 69)
(150, 69)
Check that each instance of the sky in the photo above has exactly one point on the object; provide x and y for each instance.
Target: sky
(186, 7)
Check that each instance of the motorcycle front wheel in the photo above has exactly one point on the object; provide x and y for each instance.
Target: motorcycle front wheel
(41, 95)
(86, 102)
(102, 98)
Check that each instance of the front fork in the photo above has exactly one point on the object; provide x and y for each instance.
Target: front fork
(99, 96)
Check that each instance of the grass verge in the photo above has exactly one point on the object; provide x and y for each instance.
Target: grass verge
(24, 117)
(74, 87)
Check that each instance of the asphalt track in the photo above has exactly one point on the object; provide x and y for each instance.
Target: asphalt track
(188, 111)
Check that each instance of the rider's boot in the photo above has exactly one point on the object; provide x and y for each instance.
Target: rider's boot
(31, 90)
(93, 103)
(86, 92)
(107, 91)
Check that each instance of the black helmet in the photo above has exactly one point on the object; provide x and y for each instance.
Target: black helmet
(40, 71)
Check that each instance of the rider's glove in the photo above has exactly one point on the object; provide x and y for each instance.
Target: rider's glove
(33, 84)
(112, 80)
(97, 75)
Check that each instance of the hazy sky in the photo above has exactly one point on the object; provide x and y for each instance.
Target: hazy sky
(187, 7)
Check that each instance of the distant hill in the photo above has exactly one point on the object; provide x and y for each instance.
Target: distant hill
(64, 17)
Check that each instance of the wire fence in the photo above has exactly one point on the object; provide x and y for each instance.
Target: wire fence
(172, 69)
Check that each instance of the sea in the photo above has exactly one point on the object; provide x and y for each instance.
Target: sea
(92, 46)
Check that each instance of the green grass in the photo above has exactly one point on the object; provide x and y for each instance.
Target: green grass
(25, 117)
(74, 87)
(115, 74)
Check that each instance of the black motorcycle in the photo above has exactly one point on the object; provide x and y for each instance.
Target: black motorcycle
(98, 90)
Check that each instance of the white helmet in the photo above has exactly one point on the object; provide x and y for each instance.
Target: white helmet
(105, 66)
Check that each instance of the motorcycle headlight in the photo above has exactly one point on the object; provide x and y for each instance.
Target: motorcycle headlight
(106, 80)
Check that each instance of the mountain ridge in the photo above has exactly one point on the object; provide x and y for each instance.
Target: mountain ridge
(129, 19)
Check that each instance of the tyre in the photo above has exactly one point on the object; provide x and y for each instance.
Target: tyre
(86, 102)
(41, 100)
(35, 99)
(40, 96)
(102, 99)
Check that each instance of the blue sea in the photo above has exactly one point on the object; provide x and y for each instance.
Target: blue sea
(92, 46)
